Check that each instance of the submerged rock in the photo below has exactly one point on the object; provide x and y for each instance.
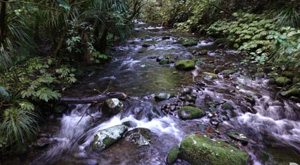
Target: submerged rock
(185, 65)
(236, 135)
(281, 81)
(189, 112)
(199, 149)
(164, 61)
(106, 137)
(139, 136)
(112, 106)
(173, 154)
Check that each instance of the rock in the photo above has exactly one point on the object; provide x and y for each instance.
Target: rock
(202, 127)
(202, 52)
(199, 149)
(210, 75)
(159, 58)
(291, 92)
(173, 154)
(106, 137)
(112, 106)
(188, 42)
(288, 74)
(185, 65)
(281, 81)
(43, 142)
(214, 122)
(162, 96)
(165, 37)
(130, 124)
(228, 72)
(189, 112)
(227, 106)
(164, 61)
(259, 75)
(146, 45)
(139, 136)
(60, 109)
(211, 66)
(187, 90)
(236, 135)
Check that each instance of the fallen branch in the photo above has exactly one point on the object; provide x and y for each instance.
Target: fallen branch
(94, 99)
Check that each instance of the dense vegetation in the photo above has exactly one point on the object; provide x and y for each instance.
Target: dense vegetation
(267, 31)
(41, 44)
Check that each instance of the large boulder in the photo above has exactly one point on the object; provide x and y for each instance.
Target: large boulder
(106, 137)
(185, 65)
(189, 112)
(112, 106)
(189, 42)
(199, 149)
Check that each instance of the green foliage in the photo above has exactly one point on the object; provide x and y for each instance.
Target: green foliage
(22, 90)
(97, 57)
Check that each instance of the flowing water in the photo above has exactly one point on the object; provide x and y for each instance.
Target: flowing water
(270, 122)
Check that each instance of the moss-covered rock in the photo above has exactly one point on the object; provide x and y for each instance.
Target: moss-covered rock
(189, 42)
(112, 106)
(106, 137)
(259, 75)
(281, 81)
(164, 61)
(189, 112)
(227, 106)
(173, 154)
(210, 75)
(291, 92)
(227, 72)
(236, 135)
(139, 136)
(288, 74)
(185, 65)
(199, 149)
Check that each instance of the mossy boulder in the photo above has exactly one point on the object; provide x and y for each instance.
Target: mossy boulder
(187, 42)
(185, 65)
(228, 72)
(189, 112)
(106, 137)
(173, 154)
(210, 75)
(236, 135)
(199, 149)
(291, 92)
(281, 81)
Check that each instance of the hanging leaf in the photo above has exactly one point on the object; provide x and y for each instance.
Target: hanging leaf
(64, 4)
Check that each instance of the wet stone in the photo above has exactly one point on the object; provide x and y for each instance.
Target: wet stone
(139, 136)
(112, 106)
(189, 112)
(236, 135)
(162, 96)
(173, 154)
(227, 106)
(202, 127)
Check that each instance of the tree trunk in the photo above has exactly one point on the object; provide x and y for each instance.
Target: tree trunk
(103, 40)
(2, 20)
(94, 99)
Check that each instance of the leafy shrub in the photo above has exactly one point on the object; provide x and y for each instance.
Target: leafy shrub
(22, 89)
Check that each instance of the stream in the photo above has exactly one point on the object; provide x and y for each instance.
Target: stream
(270, 122)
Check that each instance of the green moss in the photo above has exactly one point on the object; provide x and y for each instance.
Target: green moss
(164, 61)
(288, 74)
(199, 149)
(189, 42)
(189, 112)
(210, 75)
(281, 81)
(173, 154)
(227, 106)
(291, 92)
(185, 65)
